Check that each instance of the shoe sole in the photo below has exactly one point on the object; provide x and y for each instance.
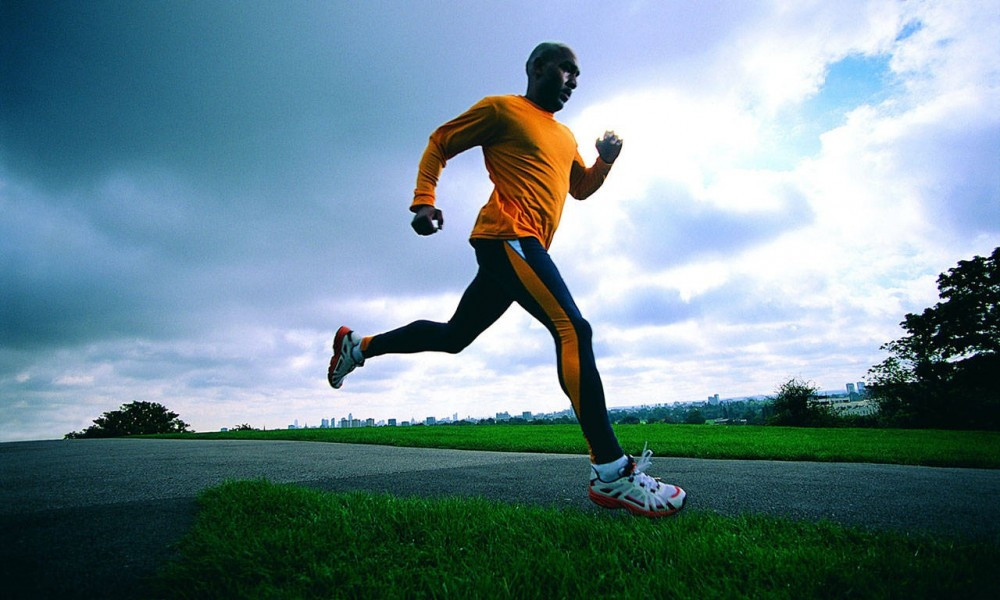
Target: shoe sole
(338, 345)
(615, 503)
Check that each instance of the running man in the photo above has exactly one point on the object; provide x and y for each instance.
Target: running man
(533, 162)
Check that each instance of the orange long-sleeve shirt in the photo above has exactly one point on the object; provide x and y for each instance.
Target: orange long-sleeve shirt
(532, 160)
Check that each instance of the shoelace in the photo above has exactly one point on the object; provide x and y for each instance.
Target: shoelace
(639, 469)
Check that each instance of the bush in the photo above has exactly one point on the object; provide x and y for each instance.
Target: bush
(795, 405)
(136, 418)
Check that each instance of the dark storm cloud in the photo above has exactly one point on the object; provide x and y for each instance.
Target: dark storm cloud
(230, 92)
(170, 166)
(222, 90)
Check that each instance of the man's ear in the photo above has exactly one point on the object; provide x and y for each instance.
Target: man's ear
(536, 67)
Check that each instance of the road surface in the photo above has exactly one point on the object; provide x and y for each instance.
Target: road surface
(92, 518)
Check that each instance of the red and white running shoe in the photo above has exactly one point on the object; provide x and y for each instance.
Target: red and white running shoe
(637, 492)
(346, 356)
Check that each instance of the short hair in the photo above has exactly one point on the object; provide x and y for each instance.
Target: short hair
(544, 51)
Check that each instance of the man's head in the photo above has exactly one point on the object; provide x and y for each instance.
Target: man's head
(552, 73)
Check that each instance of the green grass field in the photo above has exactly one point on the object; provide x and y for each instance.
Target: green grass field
(940, 448)
(260, 540)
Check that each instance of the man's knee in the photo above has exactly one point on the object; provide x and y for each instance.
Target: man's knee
(582, 327)
(575, 326)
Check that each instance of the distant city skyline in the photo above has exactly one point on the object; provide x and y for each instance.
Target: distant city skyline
(850, 389)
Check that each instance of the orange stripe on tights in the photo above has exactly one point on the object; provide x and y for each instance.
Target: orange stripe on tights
(569, 345)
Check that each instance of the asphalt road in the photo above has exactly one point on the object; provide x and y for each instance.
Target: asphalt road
(93, 518)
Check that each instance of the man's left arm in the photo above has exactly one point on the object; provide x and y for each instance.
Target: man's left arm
(585, 181)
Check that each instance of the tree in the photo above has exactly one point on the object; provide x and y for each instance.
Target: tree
(943, 372)
(795, 404)
(135, 418)
(694, 417)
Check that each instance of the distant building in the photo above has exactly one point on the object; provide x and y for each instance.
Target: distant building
(369, 422)
(713, 400)
(344, 423)
(430, 421)
(325, 424)
(526, 415)
(392, 422)
(861, 387)
(862, 408)
(504, 416)
(850, 388)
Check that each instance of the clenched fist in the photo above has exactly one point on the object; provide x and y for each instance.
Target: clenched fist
(609, 146)
(427, 220)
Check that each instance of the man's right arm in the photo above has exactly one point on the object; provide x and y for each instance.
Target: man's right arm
(474, 127)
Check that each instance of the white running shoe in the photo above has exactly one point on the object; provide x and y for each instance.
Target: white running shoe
(637, 492)
(346, 356)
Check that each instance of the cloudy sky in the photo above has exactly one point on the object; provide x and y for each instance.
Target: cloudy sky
(195, 195)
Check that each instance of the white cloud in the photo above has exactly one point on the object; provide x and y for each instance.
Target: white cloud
(782, 59)
(877, 232)
(74, 380)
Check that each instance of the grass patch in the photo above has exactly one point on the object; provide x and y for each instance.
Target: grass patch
(980, 449)
(261, 540)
